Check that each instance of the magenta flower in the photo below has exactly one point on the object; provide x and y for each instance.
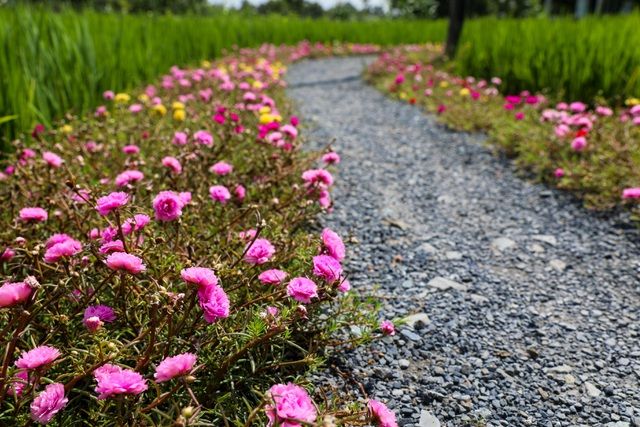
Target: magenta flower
(344, 286)
(175, 366)
(33, 215)
(168, 206)
(200, 276)
(577, 107)
(240, 192)
(631, 193)
(56, 238)
(108, 95)
(203, 137)
(131, 149)
(137, 223)
(38, 357)
(7, 254)
(14, 293)
(579, 143)
(387, 327)
(331, 158)
(272, 277)
(259, 252)
(333, 244)
(173, 164)
(327, 267)
(221, 168)
(381, 415)
(319, 177)
(302, 289)
(558, 173)
(180, 138)
(52, 159)
(64, 249)
(121, 261)
(127, 177)
(113, 380)
(19, 381)
(290, 406)
(102, 312)
(219, 193)
(214, 302)
(111, 202)
(48, 403)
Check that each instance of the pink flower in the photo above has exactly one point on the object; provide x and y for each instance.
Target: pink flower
(562, 130)
(128, 177)
(260, 252)
(290, 406)
(221, 168)
(135, 108)
(320, 177)
(272, 277)
(327, 267)
(48, 403)
(14, 293)
(248, 234)
(519, 115)
(111, 202)
(113, 380)
(168, 206)
(382, 415)
(203, 137)
(131, 149)
(604, 111)
(344, 286)
(331, 158)
(19, 381)
(180, 138)
(199, 276)
(214, 302)
(302, 289)
(96, 315)
(577, 107)
(219, 193)
(52, 159)
(579, 143)
(137, 223)
(38, 357)
(108, 95)
(33, 215)
(441, 108)
(121, 261)
(175, 366)
(7, 254)
(387, 327)
(173, 164)
(631, 193)
(64, 249)
(558, 173)
(333, 244)
(240, 192)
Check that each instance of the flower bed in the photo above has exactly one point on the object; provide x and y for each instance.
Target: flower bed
(585, 147)
(157, 263)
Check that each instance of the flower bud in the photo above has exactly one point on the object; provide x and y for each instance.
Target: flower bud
(187, 412)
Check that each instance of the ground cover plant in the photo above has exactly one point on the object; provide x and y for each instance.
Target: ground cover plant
(586, 146)
(157, 263)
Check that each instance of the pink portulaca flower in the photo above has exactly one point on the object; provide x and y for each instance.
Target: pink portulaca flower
(344, 286)
(219, 193)
(327, 268)
(631, 193)
(52, 159)
(113, 380)
(333, 244)
(97, 315)
(175, 366)
(259, 252)
(558, 173)
(604, 111)
(64, 249)
(38, 357)
(200, 276)
(214, 303)
(127, 177)
(272, 277)
(48, 403)
(131, 149)
(290, 406)
(387, 327)
(180, 138)
(121, 261)
(111, 202)
(19, 381)
(302, 289)
(33, 215)
(577, 107)
(7, 254)
(173, 164)
(240, 192)
(137, 223)
(319, 177)
(13, 293)
(579, 143)
(203, 137)
(168, 206)
(331, 158)
(108, 95)
(381, 415)
(221, 168)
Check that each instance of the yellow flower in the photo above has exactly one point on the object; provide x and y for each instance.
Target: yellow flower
(464, 91)
(402, 95)
(266, 118)
(264, 110)
(257, 84)
(177, 105)
(143, 98)
(66, 129)
(122, 98)
(205, 64)
(179, 115)
(630, 102)
(277, 118)
(444, 83)
(160, 109)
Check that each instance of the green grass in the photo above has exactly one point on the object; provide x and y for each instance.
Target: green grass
(577, 60)
(54, 62)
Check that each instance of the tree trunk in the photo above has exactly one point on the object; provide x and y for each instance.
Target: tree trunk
(456, 19)
(582, 8)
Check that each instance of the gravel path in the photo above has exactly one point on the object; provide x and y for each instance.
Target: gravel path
(527, 306)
